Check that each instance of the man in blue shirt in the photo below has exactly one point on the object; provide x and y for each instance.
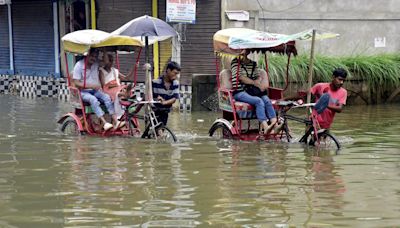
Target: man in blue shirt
(166, 90)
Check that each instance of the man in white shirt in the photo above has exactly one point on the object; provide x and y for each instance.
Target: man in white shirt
(90, 87)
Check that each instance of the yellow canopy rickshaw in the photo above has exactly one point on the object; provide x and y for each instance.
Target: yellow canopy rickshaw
(79, 42)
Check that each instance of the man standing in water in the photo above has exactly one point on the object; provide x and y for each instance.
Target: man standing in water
(166, 90)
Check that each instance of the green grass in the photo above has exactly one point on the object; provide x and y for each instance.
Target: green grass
(377, 70)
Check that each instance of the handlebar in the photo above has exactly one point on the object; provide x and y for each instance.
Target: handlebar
(139, 101)
(294, 104)
(148, 102)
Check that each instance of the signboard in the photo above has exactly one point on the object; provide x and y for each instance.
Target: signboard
(4, 2)
(237, 15)
(181, 11)
(380, 42)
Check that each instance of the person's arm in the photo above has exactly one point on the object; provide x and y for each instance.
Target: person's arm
(78, 78)
(336, 107)
(341, 103)
(166, 102)
(122, 76)
(79, 85)
(101, 76)
(130, 75)
(263, 78)
(249, 81)
(243, 78)
(117, 75)
(171, 101)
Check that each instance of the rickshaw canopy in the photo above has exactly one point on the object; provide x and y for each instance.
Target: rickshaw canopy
(79, 42)
(233, 40)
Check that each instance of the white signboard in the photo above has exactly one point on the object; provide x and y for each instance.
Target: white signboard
(380, 42)
(4, 2)
(237, 15)
(182, 11)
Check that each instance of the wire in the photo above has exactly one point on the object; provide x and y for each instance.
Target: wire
(262, 10)
(282, 10)
(274, 11)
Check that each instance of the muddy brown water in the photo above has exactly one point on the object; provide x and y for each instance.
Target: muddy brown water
(51, 180)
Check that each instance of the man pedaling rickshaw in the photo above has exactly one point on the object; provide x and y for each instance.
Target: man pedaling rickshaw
(329, 97)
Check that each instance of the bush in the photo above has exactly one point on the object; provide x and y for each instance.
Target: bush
(378, 70)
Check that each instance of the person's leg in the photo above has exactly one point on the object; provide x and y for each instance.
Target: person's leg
(119, 111)
(162, 116)
(269, 109)
(105, 98)
(258, 103)
(95, 104)
(255, 101)
(270, 112)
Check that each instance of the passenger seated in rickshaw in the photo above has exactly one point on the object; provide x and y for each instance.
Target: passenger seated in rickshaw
(91, 88)
(249, 88)
(110, 79)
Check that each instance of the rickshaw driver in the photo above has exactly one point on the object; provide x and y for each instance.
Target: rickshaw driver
(91, 92)
(166, 90)
(329, 97)
(335, 95)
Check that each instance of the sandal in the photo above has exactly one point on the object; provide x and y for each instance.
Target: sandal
(107, 126)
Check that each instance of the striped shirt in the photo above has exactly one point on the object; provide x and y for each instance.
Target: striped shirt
(244, 70)
(159, 89)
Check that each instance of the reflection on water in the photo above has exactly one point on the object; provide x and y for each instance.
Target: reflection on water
(50, 180)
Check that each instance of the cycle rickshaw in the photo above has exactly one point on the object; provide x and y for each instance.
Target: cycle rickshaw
(83, 120)
(238, 119)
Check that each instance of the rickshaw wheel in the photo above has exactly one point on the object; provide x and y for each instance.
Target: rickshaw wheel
(220, 131)
(328, 141)
(70, 127)
(286, 133)
(164, 134)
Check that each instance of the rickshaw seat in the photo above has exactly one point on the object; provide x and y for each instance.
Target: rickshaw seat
(245, 110)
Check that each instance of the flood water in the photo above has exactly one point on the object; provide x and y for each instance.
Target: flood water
(51, 180)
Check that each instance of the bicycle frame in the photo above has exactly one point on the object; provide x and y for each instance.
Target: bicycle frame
(312, 124)
(149, 117)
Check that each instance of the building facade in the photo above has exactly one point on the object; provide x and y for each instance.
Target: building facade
(365, 26)
(32, 59)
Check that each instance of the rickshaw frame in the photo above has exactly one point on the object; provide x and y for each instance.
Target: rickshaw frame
(229, 110)
(110, 42)
(231, 123)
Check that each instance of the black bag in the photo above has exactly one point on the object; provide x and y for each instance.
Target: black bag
(252, 89)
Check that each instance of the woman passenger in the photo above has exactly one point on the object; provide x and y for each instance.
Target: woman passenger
(249, 74)
(110, 80)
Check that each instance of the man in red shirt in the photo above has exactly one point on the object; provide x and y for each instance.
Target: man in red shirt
(337, 97)
(332, 96)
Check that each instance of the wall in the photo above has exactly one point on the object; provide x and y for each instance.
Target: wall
(358, 22)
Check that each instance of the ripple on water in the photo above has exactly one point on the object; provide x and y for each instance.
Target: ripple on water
(48, 179)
